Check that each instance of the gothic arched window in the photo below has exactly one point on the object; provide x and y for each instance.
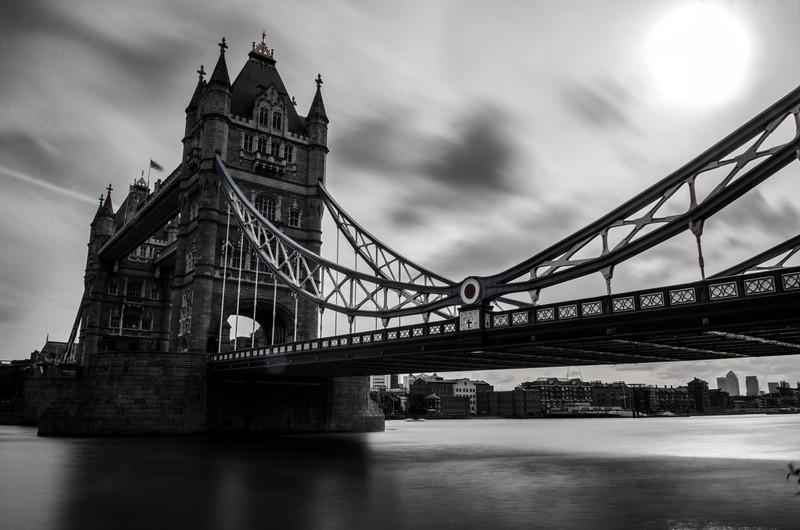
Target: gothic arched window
(263, 116)
(268, 206)
(277, 120)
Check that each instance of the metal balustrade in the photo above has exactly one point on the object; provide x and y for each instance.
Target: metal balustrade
(709, 292)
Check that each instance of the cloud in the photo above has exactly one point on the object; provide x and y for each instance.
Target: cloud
(752, 211)
(477, 158)
(604, 103)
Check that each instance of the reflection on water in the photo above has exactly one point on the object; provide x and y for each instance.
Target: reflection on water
(713, 472)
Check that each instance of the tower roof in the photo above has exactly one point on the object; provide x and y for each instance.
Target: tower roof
(198, 91)
(257, 75)
(220, 74)
(317, 111)
(105, 208)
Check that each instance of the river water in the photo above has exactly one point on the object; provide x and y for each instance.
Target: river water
(715, 472)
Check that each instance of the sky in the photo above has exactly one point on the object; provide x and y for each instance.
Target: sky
(467, 135)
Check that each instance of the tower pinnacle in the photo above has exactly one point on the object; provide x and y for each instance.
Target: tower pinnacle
(262, 49)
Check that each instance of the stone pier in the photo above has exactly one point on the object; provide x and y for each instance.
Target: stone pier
(162, 393)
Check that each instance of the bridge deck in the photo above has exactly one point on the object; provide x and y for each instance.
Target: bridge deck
(742, 316)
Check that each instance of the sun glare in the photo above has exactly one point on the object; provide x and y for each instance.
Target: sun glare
(699, 55)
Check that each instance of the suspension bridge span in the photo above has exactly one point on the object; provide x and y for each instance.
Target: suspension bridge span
(236, 229)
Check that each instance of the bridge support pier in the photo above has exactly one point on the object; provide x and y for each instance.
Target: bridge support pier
(170, 392)
(291, 404)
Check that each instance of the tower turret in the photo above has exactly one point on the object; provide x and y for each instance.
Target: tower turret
(193, 116)
(317, 121)
(215, 107)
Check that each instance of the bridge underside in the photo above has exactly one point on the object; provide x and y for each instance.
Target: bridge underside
(763, 327)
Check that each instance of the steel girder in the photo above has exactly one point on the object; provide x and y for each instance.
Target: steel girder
(330, 285)
(785, 251)
(646, 227)
(643, 222)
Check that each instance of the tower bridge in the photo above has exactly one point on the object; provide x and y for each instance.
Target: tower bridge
(236, 229)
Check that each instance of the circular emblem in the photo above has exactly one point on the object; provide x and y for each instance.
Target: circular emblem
(470, 291)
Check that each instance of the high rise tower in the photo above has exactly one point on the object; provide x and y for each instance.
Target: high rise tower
(751, 385)
(732, 384)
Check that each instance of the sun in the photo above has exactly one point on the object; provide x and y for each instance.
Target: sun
(699, 55)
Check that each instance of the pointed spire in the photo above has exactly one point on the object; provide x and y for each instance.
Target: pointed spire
(317, 111)
(198, 90)
(105, 208)
(262, 49)
(220, 74)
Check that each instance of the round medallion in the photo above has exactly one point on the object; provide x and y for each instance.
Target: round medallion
(470, 291)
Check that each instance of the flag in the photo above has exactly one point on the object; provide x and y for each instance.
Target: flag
(155, 166)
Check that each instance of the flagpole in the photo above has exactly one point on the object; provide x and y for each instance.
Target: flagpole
(149, 167)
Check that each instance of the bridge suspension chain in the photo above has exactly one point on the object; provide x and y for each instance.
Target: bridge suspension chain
(305, 272)
(745, 158)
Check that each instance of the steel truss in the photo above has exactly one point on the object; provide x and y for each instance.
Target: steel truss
(395, 286)
(785, 251)
(329, 285)
(642, 222)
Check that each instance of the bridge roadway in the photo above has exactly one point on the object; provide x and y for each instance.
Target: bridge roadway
(739, 316)
(159, 207)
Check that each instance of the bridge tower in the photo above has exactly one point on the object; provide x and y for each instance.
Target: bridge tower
(277, 156)
(177, 289)
(167, 269)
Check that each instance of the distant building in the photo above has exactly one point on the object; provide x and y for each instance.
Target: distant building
(651, 399)
(383, 382)
(721, 384)
(556, 393)
(616, 394)
(464, 389)
(732, 384)
(718, 400)
(751, 385)
(773, 387)
(698, 393)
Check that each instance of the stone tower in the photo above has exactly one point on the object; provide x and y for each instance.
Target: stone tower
(177, 289)
(276, 156)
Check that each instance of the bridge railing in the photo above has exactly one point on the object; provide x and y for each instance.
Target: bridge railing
(429, 331)
(712, 291)
(708, 291)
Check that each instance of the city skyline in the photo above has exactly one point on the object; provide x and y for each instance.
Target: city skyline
(457, 147)
(402, 380)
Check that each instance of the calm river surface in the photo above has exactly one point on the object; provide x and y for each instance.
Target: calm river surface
(695, 473)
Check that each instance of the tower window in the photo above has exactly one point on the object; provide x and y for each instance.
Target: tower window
(263, 116)
(133, 289)
(262, 145)
(268, 207)
(289, 154)
(276, 149)
(277, 120)
(294, 217)
(248, 142)
(132, 318)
